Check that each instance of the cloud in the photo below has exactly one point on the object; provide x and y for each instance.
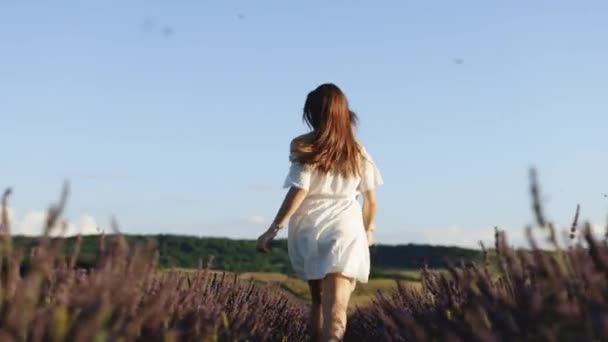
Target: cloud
(455, 235)
(33, 222)
(599, 230)
(563, 236)
(257, 219)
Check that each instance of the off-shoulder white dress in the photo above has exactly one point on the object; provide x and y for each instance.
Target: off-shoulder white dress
(326, 233)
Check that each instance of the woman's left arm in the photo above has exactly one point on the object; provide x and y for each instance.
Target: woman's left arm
(291, 203)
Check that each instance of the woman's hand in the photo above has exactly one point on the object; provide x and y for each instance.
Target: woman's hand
(264, 240)
(291, 203)
(369, 233)
(370, 237)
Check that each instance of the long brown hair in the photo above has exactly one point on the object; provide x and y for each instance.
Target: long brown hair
(331, 146)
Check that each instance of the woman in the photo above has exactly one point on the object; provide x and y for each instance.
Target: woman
(329, 232)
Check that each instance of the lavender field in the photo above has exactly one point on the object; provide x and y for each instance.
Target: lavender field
(524, 295)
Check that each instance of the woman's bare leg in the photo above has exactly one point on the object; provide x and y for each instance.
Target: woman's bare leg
(316, 313)
(336, 294)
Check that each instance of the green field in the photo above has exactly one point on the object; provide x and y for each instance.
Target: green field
(298, 288)
(362, 295)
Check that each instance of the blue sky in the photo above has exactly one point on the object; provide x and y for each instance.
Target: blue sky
(176, 116)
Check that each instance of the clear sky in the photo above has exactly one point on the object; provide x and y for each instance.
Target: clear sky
(176, 116)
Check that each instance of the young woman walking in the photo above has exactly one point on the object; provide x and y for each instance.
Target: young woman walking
(329, 231)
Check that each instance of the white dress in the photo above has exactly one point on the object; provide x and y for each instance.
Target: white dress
(326, 233)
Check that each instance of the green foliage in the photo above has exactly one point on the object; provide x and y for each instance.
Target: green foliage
(412, 256)
(177, 251)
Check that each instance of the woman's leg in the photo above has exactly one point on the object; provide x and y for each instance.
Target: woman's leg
(316, 313)
(336, 294)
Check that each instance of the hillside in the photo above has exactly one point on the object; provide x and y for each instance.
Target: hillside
(177, 251)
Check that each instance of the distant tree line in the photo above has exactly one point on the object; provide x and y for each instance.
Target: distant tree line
(176, 251)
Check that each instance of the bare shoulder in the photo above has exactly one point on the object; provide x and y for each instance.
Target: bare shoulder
(301, 142)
